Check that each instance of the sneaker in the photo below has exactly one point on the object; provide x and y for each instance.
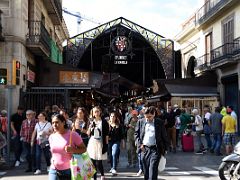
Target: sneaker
(139, 172)
(17, 163)
(199, 152)
(37, 172)
(110, 170)
(102, 177)
(114, 171)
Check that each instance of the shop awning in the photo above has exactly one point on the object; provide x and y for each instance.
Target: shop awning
(205, 86)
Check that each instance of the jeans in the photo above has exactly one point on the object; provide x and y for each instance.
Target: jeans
(217, 142)
(47, 155)
(208, 139)
(52, 174)
(140, 165)
(113, 150)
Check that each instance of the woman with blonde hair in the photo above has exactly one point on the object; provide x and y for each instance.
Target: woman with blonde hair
(97, 146)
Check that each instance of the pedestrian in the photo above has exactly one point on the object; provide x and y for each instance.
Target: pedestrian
(16, 123)
(41, 132)
(131, 146)
(171, 129)
(116, 135)
(185, 119)
(199, 130)
(81, 124)
(152, 141)
(216, 127)
(228, 132)
(61, 148)
(66, 116)
(98, 143)
(206, 126)
(3, 130)
(26, 132)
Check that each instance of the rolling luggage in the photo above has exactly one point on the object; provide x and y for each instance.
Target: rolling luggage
(187, 142)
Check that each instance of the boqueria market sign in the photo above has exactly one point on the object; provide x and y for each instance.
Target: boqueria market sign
(73, 77)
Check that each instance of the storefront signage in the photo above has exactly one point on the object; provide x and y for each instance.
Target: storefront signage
(72, 77)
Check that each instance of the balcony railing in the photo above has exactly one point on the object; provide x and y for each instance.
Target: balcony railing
(38, 36)
(209, 9)
(223, 52)
(203, 62)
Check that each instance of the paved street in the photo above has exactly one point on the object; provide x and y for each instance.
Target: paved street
(180, 166)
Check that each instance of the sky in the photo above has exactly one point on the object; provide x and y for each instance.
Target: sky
(161, 16)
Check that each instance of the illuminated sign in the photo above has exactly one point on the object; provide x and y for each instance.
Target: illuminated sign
(72, 77)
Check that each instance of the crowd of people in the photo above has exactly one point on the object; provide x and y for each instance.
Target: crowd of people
(147, 132)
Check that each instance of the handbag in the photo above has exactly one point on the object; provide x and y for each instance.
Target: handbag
(81, 166)
(162, 164)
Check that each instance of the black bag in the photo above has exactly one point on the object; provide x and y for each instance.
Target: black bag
(63, 176)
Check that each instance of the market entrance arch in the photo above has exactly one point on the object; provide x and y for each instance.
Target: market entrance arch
(150, 55)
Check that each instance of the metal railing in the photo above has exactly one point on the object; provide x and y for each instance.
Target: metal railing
(222, 52)
(38, 35)
(203, 62)
(208, 9)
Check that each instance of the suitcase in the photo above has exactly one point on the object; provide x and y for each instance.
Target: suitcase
(187, 143)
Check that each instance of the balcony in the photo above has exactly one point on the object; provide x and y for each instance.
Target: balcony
(212, 8)
(54, 9)
(227, 53)
(38, 39)
(202, 63)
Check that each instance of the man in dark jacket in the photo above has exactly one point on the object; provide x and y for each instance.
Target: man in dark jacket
(151, 139)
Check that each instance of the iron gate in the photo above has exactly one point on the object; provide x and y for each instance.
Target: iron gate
(37, 98)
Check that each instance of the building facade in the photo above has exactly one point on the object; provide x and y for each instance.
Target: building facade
(210, 43)
(32, 31)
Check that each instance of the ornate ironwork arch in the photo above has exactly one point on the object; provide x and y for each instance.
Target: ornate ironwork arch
(163, 47)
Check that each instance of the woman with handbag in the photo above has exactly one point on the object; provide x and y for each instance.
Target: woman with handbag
(42, 130)
(98, 142)
(62, 150)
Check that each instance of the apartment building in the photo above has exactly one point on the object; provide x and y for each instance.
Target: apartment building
(31, 31)
(210, 43)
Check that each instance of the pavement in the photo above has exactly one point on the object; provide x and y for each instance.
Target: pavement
(179, 166)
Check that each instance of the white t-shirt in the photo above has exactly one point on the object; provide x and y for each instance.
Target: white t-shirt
(41, 127)
(207, 115)
(198, 123)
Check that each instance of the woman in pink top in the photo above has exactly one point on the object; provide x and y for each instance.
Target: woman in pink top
(61, 149)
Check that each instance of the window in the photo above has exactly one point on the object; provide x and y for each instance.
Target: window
(228, 29)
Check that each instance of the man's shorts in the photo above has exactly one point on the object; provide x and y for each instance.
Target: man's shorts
(229, 139)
